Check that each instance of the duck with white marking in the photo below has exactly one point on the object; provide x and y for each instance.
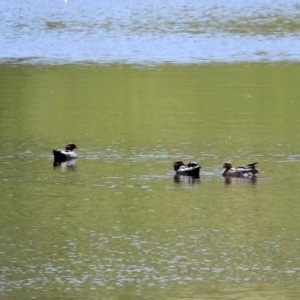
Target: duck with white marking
(68, 154)
(248, 171)
(189, 169)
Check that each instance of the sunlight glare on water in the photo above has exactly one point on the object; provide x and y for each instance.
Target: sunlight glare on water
(148, 32)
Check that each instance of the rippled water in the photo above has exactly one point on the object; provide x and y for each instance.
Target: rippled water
(147, 32)
(117, 224)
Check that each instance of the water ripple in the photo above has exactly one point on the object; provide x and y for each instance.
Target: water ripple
(215, 31)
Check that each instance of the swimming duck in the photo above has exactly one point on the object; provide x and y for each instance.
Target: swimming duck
(65, 155)
(247, 171)
(189, 169)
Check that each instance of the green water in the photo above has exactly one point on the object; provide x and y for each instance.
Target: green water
(117, 226)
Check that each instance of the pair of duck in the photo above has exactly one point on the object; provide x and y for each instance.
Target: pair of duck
(190, 169)
(193, 169)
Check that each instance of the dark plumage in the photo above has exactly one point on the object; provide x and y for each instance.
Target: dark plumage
(65, 155)
(247, 171)
(189, 169)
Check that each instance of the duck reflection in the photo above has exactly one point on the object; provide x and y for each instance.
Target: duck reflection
(246, 181)
(69, 165)
(191, 180)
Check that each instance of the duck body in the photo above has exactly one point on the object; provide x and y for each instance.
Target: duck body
(65, 155)
(247, 171)
(189, 169)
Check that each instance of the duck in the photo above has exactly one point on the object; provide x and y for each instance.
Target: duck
(247, 171)
(65, 155)
(189, 169)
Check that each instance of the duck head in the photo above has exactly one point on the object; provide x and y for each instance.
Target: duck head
(71, 147)
(177, 164)
(227, 165)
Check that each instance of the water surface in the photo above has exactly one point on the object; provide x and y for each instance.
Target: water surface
(137, 85)
(149, 32)
(117, 225)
